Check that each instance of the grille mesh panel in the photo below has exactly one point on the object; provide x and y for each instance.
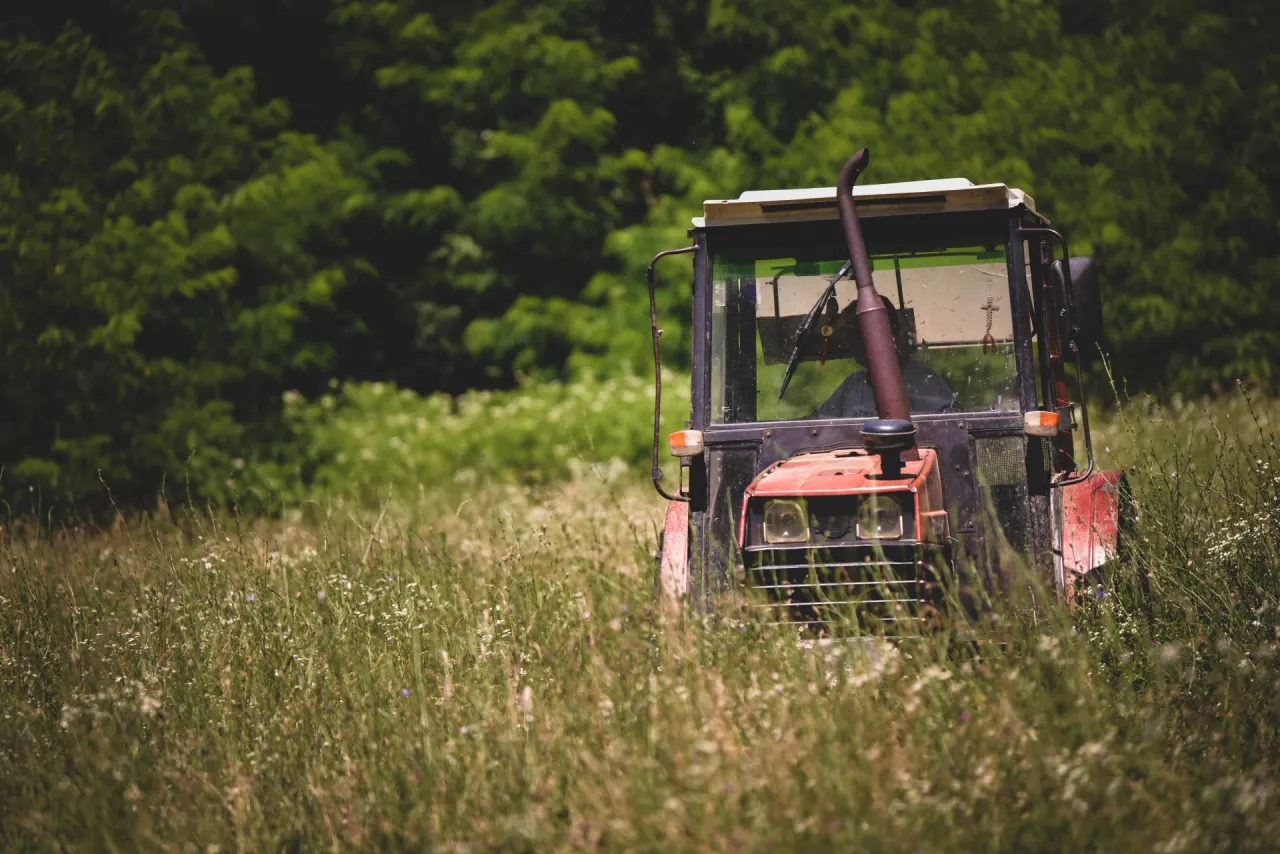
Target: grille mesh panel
(1002, 461)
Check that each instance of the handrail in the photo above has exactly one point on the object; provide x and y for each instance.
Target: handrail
(656, 332)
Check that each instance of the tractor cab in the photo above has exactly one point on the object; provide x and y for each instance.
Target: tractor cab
(886, 379)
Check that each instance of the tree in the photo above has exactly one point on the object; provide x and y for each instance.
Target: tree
(165, 240)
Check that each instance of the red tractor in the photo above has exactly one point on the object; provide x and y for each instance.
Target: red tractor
(845, 448)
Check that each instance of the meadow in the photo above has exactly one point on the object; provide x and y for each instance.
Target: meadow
(406, 659)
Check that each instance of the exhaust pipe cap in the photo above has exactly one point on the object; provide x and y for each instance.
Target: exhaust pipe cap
(888, 435)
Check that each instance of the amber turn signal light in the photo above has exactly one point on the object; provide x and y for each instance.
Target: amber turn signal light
(685, 443)
(1040, 423)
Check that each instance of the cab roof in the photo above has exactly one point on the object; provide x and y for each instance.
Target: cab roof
(817, 203)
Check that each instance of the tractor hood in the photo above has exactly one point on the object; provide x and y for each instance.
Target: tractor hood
(852, 471)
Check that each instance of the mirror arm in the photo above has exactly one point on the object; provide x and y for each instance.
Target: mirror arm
(656, 332)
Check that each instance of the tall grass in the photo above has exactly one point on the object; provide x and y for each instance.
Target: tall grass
(492, 673)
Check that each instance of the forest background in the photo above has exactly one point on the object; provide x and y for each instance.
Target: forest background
(225, 224)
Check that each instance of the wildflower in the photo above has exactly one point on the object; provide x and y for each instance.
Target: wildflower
(252, 598)
(405, 692)
(964, 717)
(148, 706)
(320, 597)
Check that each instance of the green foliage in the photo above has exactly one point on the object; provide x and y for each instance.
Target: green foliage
(1175, 202)
(161, 237)
(372, 441)
(447, 197)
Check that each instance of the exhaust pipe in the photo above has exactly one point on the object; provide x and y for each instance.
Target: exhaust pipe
(873, 317)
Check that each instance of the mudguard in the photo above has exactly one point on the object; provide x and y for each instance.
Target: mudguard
(1090, 525)
(673, 576)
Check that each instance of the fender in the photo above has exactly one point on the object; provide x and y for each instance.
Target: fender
(1090, 533)
(673, 577)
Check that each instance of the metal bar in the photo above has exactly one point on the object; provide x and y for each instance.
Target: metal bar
(777, 309)
(700, 322)
(942, 345)
(884, 564)
(822, 584)
(1074, 345)
(656, 332)
(1039, 279)
(1019, 301)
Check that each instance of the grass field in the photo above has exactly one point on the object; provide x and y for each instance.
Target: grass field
(491, 673)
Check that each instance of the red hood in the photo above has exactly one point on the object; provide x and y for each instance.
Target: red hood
(844, 472)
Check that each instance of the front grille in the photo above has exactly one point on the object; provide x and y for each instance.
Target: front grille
(865, 583)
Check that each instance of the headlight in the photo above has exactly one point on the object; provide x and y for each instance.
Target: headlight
(879, 518)
(786, 522)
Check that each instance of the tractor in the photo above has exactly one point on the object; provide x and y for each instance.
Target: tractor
(882, 388)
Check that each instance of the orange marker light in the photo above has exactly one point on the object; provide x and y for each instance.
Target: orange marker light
(1040, 423)
(685, 443)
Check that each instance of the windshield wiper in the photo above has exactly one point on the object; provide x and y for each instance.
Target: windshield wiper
(807, 324)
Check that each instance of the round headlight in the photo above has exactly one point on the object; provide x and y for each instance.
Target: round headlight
(879, 519)
(786, 522)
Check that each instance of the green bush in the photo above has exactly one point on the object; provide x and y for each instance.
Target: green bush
(371, 440)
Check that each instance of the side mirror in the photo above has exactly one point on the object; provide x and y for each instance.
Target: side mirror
(1086, 301)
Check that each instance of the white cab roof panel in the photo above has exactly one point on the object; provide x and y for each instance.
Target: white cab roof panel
(817, 203)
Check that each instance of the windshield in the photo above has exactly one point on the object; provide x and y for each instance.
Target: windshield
(949, 309)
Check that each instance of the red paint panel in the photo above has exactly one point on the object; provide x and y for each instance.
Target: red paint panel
(842, 472)
(1090, 522)
(837, 473)
(674, 573)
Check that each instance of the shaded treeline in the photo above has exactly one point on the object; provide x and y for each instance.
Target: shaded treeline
(204, 204)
